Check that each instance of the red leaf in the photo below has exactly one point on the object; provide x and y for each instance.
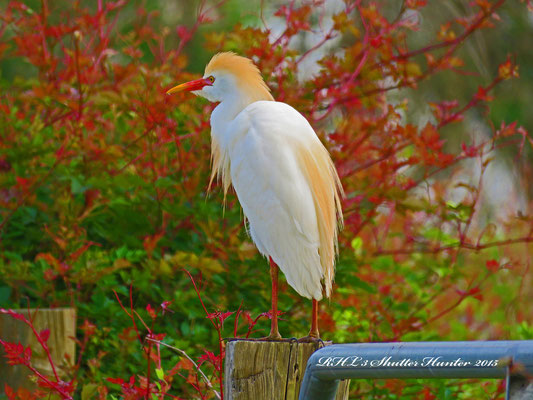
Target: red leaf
(16, 353)
(151, 312)
(184, 33)
(90, 196)
(77, 254)
(50, 274)
(415, 3)
(27, 354)
(115, 4)
(492, 265)
(49, 258)
(10, 393)
(376, 41)
(224, 316)
(5, 165)
(88, 328)
(474, 292)
(507, 130)
(157, 336)
(507, 70)
(118, 381)
(470, 151)
(150, 242)
(221, 317)
(23, 183)
(44, 334)
(431, 137)
(208, 356)
(165, 306)
(482, 95)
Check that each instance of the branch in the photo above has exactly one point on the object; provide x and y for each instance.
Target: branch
(472, 103)
(77, 37)
(461, 245)
(179, 351)
(328, 36)
(455, 42)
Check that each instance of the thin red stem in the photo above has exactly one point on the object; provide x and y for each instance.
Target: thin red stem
(218, 328)
(472, 103)
(29, 322)
(130, 315)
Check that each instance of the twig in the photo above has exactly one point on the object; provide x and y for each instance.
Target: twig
(217, 327)
(43, 344)
(439, 249)
(453, 44)
(77, 37)
(179, 351)
(365, 45)
(472, 103)
(328, 36)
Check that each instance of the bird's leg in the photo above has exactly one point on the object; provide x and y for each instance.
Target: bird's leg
(314, 320)
(313, 335)
(274, 332)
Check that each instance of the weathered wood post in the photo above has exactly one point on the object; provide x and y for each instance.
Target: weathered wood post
(62, 325)
(268, 370)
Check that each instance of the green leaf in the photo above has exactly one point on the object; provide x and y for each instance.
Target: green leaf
(357, 243)
(355, 282)
(160, 374)
(165, 182)
(88, 391)
(5, 294)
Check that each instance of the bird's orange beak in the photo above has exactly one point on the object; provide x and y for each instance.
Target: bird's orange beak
(191, 86)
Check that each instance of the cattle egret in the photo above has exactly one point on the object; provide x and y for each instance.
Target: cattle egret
(284, 178)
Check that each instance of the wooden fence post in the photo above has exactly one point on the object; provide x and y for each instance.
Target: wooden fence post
(62, 325)
(268, 370)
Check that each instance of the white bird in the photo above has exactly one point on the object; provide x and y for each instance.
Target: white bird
(284, 178)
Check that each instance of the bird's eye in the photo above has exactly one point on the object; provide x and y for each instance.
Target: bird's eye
(211, 79)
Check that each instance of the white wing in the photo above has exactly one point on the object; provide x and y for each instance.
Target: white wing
(267, 145)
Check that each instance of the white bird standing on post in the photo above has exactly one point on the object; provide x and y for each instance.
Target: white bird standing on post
(284, 178)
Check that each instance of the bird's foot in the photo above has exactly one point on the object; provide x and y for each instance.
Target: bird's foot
(269, 338)
(312, 339)
(275, 337)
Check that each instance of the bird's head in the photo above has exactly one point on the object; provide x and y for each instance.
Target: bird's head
(228, 76)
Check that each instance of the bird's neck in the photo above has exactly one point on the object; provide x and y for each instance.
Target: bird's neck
(237, 99)
(227, 110)
(221, 117)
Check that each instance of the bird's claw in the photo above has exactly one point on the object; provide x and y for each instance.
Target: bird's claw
(271, 339)
(312, 339)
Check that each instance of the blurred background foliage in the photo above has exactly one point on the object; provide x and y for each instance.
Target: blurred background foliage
(103, 179)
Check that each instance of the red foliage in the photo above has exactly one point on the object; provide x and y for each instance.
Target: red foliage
(149, 339)
(79, 79)
(17, 354)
